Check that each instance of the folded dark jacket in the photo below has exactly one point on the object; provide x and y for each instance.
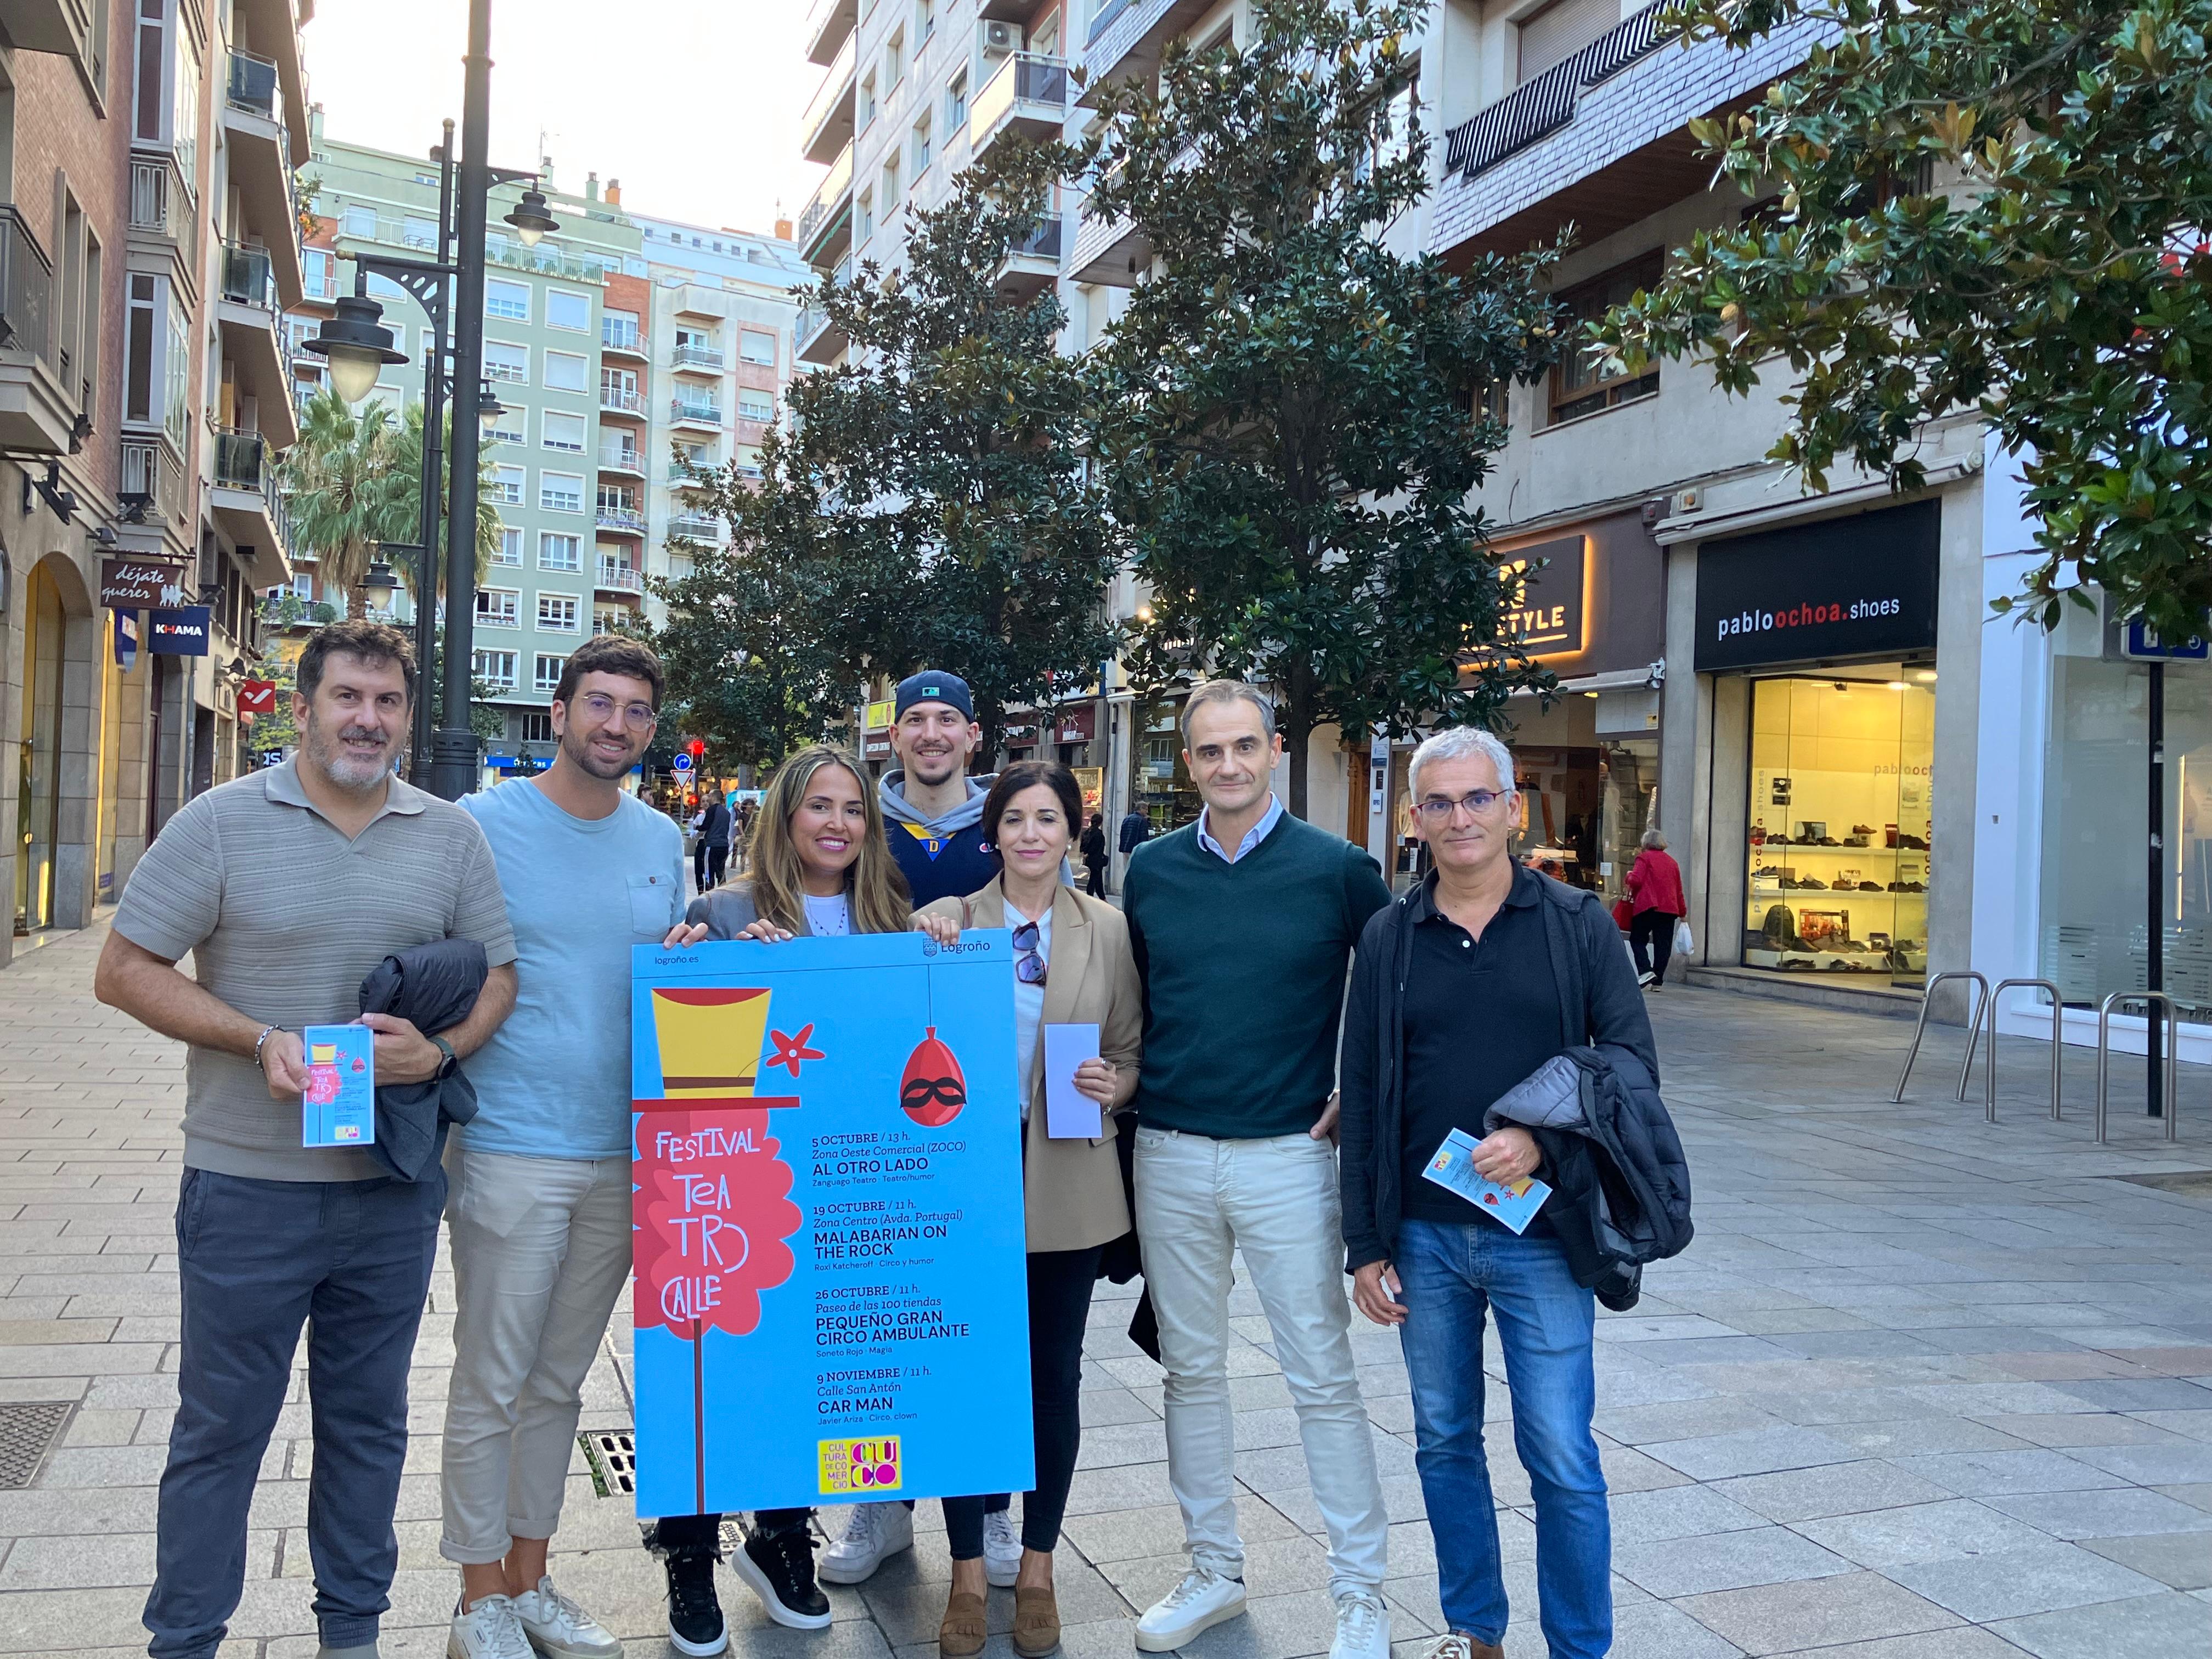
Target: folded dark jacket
(432, 986)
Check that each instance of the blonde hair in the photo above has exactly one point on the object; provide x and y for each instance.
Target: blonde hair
(873, 886)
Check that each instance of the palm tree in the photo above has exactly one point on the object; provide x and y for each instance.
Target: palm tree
(343, 501)
(406, 464)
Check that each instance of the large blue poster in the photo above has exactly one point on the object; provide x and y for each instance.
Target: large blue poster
(831, 1297)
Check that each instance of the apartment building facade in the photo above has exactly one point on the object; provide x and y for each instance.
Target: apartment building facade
(151, 245)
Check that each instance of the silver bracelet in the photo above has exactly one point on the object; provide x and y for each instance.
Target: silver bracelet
(267, 1031)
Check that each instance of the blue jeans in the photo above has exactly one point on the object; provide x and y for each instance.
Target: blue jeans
(349, 1260)
(1449, 1275)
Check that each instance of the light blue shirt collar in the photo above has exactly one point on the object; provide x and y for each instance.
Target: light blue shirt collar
(1252, 836)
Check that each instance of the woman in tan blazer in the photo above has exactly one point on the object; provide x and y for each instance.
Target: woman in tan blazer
(1072, 965)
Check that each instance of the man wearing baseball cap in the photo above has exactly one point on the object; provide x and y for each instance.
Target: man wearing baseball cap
(932, 810)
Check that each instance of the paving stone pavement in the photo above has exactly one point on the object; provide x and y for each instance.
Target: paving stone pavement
(1922, 1389)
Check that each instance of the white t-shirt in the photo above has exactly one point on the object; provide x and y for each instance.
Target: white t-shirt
(1029, 1007)
(829, 918)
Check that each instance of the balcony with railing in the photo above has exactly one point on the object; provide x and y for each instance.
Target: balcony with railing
(253, 88)
(620, 578)
(618, 510)
(38, 410)
(1027, 95)
(621, 400)
(1112, 252)
(162, 203)
(693, 358)
(57, 26)
(829, 26)
(248, 278)
(825, 226)
(1032, 263)
(1600, 139)
(1126, 37)
(622, 457)
(695, 411)
(827, 123)
(150, 485)
(696, 526)
(246, 503)
(620, 335)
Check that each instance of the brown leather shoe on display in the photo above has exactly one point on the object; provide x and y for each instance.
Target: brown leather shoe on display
(962, 1634)
(1036, 1622)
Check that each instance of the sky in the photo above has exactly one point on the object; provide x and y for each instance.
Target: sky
(695, 104)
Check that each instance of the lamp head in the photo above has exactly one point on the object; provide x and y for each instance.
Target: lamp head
(530, 219)
(356, 345)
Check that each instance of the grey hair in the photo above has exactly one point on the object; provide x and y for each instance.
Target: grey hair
(1227, 691)
(1458, 743)
(1654, 840)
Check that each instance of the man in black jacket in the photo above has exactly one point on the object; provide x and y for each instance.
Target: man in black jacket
(712, 855)
(1461, 989)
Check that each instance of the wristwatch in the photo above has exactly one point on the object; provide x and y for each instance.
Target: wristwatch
(451, 1064)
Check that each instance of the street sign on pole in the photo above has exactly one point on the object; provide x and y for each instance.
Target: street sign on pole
(2141, 642)
(682, 764)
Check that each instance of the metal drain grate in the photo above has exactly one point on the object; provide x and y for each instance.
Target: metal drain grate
(613, 1458)
(26, 1434)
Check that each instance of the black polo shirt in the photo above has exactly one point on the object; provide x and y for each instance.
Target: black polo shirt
(1479, 1015)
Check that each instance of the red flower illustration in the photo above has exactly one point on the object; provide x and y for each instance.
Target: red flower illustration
(713, 1214)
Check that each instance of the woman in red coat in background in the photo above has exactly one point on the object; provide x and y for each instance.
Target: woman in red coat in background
(1655, 895)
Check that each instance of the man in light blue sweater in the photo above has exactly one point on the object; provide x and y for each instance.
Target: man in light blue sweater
(540, 1206)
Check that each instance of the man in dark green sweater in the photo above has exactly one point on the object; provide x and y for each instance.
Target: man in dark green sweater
(1243, 925)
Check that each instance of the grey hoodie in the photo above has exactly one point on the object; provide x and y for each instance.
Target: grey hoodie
(942, 857)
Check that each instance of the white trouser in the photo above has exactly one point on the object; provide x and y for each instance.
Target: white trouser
(541, 1251)
(1198, 1200)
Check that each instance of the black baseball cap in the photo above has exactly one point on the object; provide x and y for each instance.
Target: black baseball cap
(929, 686)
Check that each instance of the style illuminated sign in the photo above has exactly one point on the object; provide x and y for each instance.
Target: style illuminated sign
(1861, 586)
(1546, 616)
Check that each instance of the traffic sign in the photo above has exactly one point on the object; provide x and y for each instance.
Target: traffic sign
(681, 762)
(2140, 641)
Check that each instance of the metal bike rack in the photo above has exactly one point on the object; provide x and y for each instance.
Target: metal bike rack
(2105, 1049)
(1973, 1028)
(2058, 1046)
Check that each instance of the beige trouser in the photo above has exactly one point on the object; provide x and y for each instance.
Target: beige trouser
(541, 1251)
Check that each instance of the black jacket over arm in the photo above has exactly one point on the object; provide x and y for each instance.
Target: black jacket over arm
(1600, 1006)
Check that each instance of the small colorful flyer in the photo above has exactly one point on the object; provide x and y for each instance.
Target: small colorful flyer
(339, 1106)
(1453, 1167)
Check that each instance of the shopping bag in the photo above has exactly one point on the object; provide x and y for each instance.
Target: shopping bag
(1686, 942)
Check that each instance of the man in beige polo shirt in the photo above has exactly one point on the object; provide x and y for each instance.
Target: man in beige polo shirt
(287, 887)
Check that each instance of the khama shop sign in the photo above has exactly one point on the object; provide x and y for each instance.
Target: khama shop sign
(1859, 586)
(142, 584)
(1545, 618)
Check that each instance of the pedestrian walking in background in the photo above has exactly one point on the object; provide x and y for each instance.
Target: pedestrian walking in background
(1136, 829)
(1243, 924)
(934, 809)
(1072, 965)
(711, 856)
(821, 867)
(1463, 988)
(1654, 898)
(289, 886)
(1095, 855)
(540, 1212)
(741, 834)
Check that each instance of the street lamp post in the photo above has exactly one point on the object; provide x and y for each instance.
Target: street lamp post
(451, 289)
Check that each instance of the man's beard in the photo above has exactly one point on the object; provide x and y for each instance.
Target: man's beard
(322, 750)
(595, 766)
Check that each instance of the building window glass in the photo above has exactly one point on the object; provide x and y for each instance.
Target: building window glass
(507, 484)
(922, 146)
(756, 347)
(1841, 812)
(566, 309)
(955, 103)
(755, 406)
(867, 101)
(358, 222)
(508, 299)
(557, 613)
(536, 723)
(499, 607)
(510, 546)
(494, 668)
(507, 427)
(503, 361)
(607, 622)
(1580, 385)
(567, 370)
(561, 492)
(556, 552)
(562, 431)
(548, 675)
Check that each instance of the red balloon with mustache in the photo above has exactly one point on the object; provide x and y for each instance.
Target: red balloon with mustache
(932, 1088)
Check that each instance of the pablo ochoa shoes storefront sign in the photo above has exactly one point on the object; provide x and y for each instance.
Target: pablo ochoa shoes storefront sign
(1859, 587)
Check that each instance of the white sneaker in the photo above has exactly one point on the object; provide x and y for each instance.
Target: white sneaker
(488, 1630)
(1002, 1549)
(560, 1629)
(1203, 1600)
(876, 1531)
(1363, 1627)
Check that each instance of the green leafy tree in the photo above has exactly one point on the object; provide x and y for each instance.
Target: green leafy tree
(1994, 208)
(345, 493)
(749, 646)
(404, 458)
(932, 497)
(1287, 416)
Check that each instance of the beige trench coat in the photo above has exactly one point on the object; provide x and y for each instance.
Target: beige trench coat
(1073, 1188)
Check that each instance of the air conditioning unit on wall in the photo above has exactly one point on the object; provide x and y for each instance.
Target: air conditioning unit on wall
(1000, 39)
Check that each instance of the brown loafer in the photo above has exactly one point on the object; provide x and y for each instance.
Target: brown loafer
(966, 1625)
(1036, 1622)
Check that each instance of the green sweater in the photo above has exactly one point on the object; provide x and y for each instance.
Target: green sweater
(1244, 967)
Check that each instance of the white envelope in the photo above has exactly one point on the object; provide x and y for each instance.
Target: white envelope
(1069, 1115)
